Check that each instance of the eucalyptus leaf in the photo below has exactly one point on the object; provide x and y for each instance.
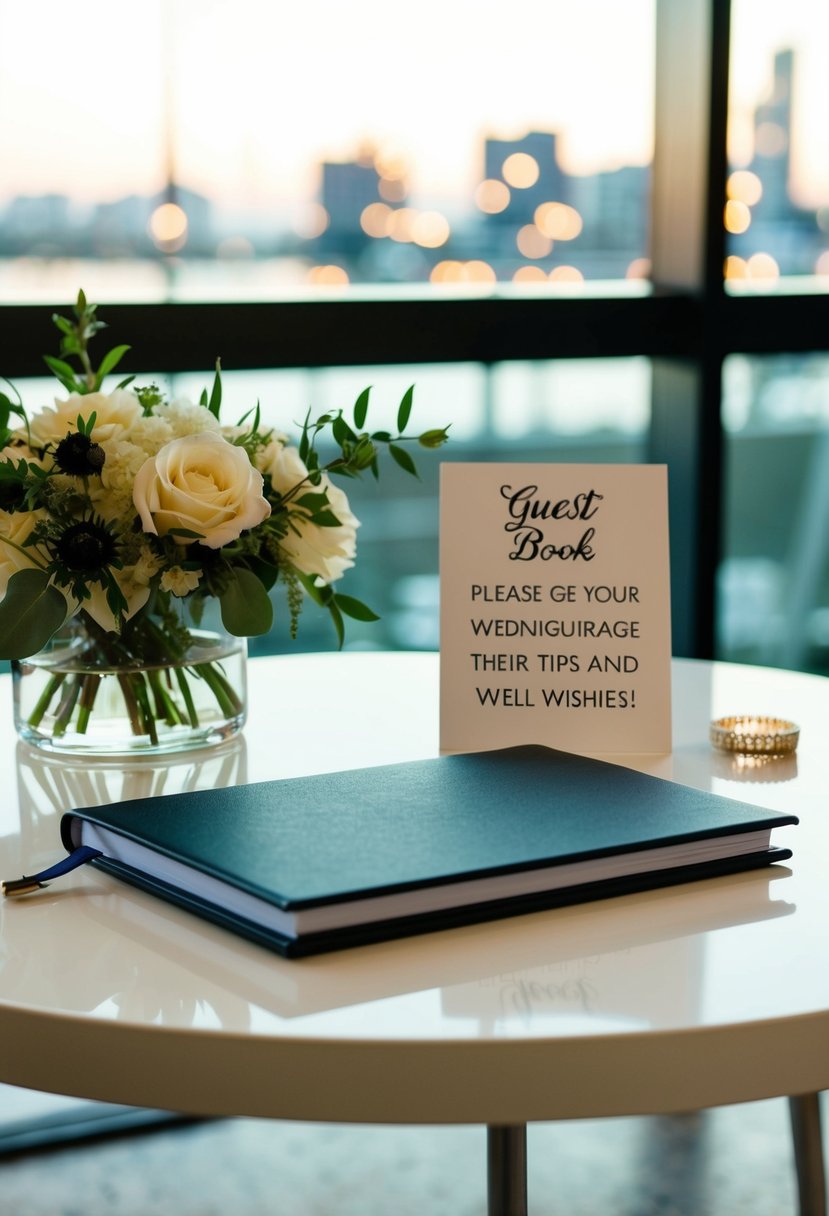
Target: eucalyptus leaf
(30, 612)
(245, 605)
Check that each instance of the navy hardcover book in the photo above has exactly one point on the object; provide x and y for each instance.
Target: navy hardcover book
(317, 863)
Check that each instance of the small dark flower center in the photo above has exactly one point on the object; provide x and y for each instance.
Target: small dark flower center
(79, 456)
(86, 547)
(12, 495)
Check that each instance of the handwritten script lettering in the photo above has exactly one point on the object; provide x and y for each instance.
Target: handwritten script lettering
(525, 507)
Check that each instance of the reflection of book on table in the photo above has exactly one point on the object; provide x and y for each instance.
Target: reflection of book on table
(316, 863)
(220, 969)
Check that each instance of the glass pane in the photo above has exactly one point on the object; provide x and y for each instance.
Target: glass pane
(569, 410)
(777, 212)
(774, 579)
(249, 150)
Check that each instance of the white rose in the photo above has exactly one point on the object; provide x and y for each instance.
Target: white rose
(114, 414)
(203, 484)
(15, 529)
(324, 552)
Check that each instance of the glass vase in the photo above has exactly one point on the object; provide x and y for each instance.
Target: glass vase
(161, 685)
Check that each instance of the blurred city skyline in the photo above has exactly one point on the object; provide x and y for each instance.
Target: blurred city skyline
(247, 99)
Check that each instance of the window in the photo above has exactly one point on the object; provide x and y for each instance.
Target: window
(244, 150)
(506, 341)
(777, 208)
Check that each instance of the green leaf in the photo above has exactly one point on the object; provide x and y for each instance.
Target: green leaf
(313, 501)
(266, 572)
(402, 457)
(341, 431)
(123, 383)
(215, 403)
(245, 605)
(361, 408)
(30, 612)
(64, 373)
(355, 608)
(405, 409)
(339, 625)
(304, 441)
(188, 532)
(109, 362)
(326, 519)
(311, 587)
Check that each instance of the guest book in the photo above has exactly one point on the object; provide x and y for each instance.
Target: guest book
(317, 863)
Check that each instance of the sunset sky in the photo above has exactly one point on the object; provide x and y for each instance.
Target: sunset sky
(262, 90)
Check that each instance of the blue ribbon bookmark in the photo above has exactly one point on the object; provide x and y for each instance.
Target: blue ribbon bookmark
(36, 882)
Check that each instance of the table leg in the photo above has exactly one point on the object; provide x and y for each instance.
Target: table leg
(507, 1170)
(804, 1111)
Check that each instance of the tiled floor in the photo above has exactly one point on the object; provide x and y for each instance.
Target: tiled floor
(730, 1162)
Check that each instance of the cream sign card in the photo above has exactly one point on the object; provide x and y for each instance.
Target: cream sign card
(555, 607)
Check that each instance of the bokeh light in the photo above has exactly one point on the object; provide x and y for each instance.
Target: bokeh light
(520, 170)
(168, 227)
(763, 266)
(374, 219)
(328, 276)
(737, 217)
(532, 243)
(640, 268)
(558, 221)
(745, 187)
(492, 196)
(430, 229)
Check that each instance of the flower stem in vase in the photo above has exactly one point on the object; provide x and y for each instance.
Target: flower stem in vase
(165, 706)
(89, 691)
(221, 689)
(187, 697)
(67, 706)
(45, 699)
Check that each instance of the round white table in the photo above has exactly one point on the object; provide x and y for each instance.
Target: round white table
(671, 1000)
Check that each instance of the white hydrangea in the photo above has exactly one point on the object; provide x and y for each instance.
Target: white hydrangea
(185, 418)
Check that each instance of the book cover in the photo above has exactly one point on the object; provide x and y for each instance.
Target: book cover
(318, 862)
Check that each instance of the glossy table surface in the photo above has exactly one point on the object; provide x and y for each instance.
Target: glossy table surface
(690, 996)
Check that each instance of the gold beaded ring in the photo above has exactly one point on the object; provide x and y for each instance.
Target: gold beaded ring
(755, 735)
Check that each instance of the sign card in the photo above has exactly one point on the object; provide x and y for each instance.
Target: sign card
(555, 607)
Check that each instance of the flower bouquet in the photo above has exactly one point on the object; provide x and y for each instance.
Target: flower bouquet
(140, 539)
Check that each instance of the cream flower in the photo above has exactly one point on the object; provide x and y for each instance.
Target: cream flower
(135, 592)
(15, 529)
(203, 484)
(324, 552)
(114, 413)
(185, 418)
(180, 582)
